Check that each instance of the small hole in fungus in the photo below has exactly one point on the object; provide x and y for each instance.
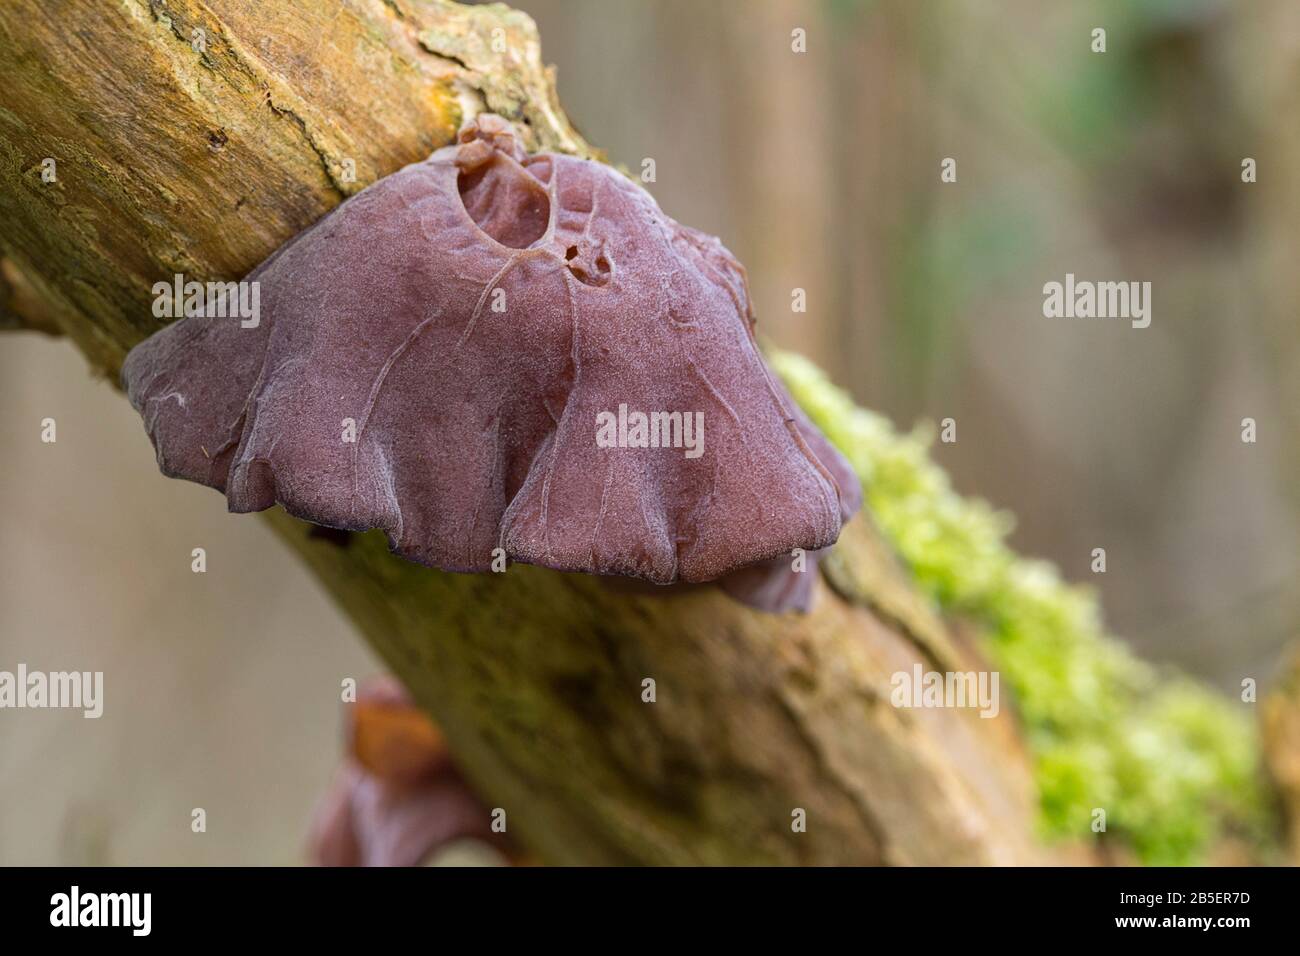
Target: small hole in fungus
(570, 253)
(506, 202)
(602, 264)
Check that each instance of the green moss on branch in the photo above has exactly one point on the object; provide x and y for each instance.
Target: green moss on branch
(1174, 765)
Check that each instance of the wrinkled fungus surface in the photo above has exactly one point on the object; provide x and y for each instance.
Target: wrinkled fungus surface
(471, 316)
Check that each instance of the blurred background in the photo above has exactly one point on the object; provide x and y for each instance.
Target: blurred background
(821, 171)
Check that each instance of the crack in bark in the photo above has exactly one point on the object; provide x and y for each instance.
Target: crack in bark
(163, 15)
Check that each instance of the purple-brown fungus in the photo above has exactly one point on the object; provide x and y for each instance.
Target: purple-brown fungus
(496, 350)
(399, 796)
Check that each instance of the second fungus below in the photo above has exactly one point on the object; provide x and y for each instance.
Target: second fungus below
(435, 356)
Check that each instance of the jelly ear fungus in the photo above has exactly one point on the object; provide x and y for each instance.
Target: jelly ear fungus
(433, 357)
